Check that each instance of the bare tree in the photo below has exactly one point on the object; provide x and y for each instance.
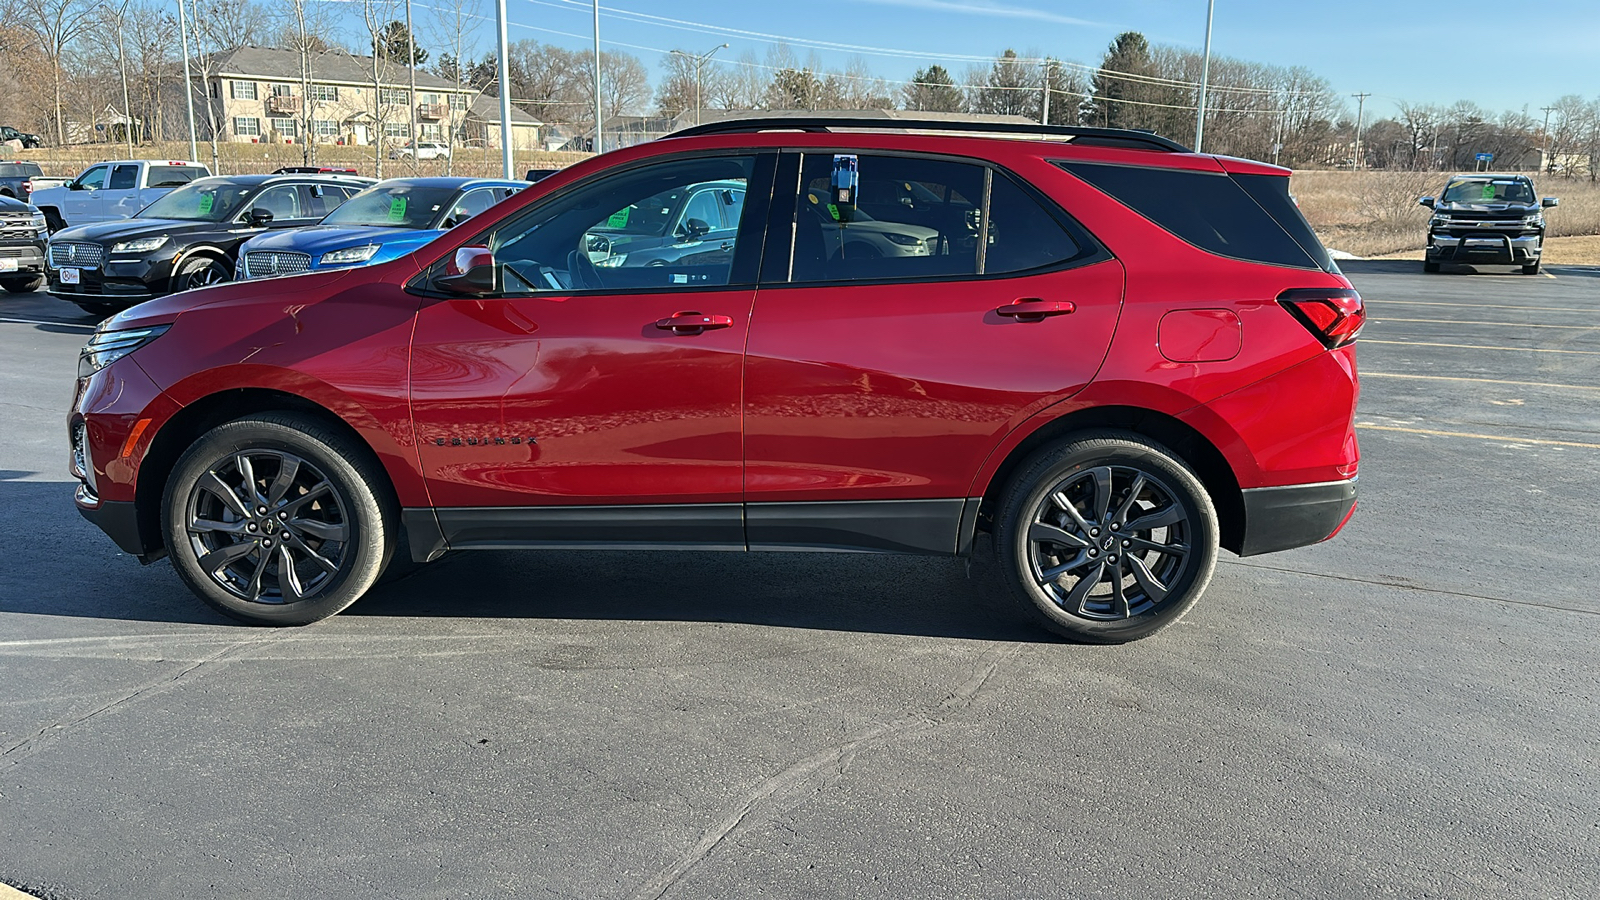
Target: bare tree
(305, 23)
(55, 25)
(455, 23)
(376, 16)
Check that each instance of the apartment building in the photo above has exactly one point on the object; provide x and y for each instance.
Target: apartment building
(258, 95)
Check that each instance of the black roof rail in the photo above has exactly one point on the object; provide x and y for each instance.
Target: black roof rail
(1097, 137)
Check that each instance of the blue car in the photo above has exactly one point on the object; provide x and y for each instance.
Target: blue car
(383, 222)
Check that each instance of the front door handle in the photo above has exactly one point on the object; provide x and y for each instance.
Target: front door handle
(1032, 309)
(692, 322)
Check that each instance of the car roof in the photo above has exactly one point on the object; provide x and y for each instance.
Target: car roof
(1487, 176)
(453, 181)
(256, 180)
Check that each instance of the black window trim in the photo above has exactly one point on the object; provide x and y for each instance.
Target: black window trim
(782, 271)
(1312, 265)
(758, 197)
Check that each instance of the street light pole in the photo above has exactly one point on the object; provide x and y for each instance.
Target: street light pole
(504, 75)
(1361, 107)
(188, 83)
(598, 133)
(1205, 81)
(699, 61)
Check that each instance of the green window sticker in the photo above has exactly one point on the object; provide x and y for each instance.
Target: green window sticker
(1488, 190)
(206, 200)
(619, 219)
(833, 210)
(397, 209)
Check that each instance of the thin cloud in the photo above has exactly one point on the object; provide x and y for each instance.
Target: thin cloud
(985, 8)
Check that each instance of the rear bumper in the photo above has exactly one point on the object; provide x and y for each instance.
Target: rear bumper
(1282, 518)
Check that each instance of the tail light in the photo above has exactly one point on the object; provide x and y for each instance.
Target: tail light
(1334, 315)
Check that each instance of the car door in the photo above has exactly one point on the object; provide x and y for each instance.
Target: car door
(82, 202)
(606, 390)
(887, 359)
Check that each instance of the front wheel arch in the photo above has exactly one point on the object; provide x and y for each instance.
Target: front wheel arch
(188, 424)
(1191, 447)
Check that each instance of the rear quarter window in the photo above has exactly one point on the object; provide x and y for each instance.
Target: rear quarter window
(1212, 211)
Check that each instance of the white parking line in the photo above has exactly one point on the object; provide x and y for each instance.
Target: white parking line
(46, 322)
(1481, 347)
(1583, 309)
(1464, 322)
(1481, 437)
(1539, 384)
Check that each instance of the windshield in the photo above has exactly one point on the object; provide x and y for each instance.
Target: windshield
(201, 201)
(1498, 190)
(392, 206)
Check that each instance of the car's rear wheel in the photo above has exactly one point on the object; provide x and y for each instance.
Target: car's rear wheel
(52, 220)
(1106, 537)
(199, 272)
(277, 520)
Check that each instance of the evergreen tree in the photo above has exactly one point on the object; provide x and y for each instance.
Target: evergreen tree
(394, 43)
(1009, 89)
(933, 90)
(1120, 96)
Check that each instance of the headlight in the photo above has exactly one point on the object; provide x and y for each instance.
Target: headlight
(904, 240)
(106, 347)
(1438, 221)
(140, 245)
(1534, 221)
(39, 224)
(349, 255)
(612, 262)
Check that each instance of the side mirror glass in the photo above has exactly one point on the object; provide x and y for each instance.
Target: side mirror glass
(1549, 202)
(259, 218)
(471, 272)
(1425, 201)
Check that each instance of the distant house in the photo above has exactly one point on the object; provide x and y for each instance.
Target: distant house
(482, 123)
(257, 94)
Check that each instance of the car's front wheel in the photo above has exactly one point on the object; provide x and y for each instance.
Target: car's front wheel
(22, 285)
(201, 271)
(277, 520)
(1106, 537)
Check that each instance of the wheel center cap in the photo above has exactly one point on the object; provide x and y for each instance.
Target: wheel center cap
(1108, 543)
(269, 527)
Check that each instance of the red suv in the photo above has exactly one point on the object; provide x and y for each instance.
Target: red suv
(1111, 354)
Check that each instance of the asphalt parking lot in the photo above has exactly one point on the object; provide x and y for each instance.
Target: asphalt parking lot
(1406, 711)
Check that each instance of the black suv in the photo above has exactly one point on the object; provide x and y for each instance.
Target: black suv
(22, 242)
(188, 238)
(1486, 218)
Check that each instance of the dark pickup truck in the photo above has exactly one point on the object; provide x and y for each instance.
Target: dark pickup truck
(16, 178)
(1486, 218)
(22, 243)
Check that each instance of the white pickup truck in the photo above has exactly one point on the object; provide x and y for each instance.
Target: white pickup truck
(113, 190)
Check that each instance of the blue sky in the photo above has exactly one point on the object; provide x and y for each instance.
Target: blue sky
(1395, 49)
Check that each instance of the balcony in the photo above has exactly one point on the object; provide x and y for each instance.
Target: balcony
(284, 104)
(433, 111)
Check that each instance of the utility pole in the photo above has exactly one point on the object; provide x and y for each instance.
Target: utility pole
(411, 66)
(1044, 117)
(122, 63)
(1549, 164)
(1361, 106)
(699, 61)
(188, 83)
(598, 144)
(504, 75)
(1205, 80)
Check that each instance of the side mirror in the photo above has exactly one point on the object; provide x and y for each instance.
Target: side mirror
(1425, 201)
(1549, 202)
(695, 229)
(259, 218)
(76, 186)
(472, 272)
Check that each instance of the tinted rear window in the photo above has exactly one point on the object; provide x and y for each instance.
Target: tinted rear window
(172, 176)
(1272, 192)
(19, 170)
(1208, 210)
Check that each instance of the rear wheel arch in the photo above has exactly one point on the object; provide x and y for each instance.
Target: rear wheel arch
(195, 419)
(1192, 447)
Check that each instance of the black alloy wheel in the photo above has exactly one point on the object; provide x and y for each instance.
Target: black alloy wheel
(277, 520)
(22, 285)
(1107, 538)
(200, 272)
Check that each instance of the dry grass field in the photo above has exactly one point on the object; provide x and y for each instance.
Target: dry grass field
(1375, 213)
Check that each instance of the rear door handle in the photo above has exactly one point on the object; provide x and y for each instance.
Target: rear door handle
(692, 322)
(1032, 309)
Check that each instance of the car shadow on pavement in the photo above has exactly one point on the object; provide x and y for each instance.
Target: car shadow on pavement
(58, 564)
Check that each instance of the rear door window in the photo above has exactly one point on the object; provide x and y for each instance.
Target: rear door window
(1207, 209)
(1024, 236)
(124, 178)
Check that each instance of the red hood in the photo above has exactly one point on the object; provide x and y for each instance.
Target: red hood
(166, 310)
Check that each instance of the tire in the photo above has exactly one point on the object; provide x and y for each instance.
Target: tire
(98, 310)
(1531, 269)
(22, 285)
(1430, 267)
(327, 512)
(1041, 543)
(201, 271)
(52, 220)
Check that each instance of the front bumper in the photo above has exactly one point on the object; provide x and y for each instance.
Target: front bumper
(125, 282)
(1296, 515)
(1509, 247)
(116, 415)
(29, 258)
